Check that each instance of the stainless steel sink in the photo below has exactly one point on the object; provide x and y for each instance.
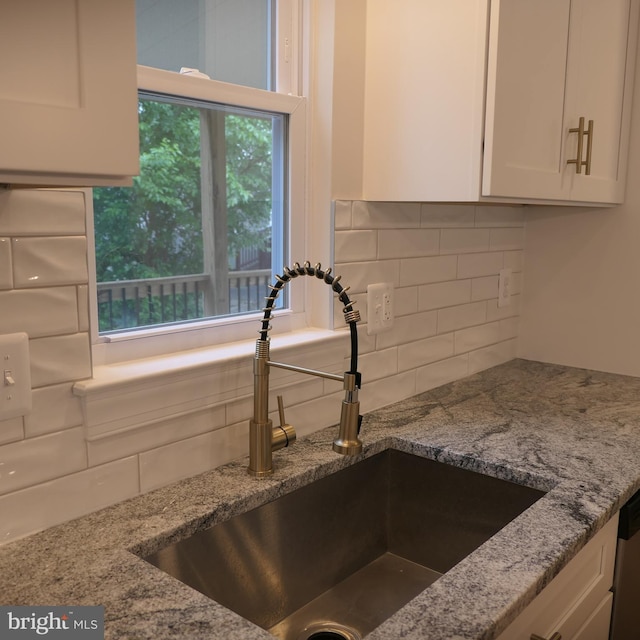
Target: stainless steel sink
(336, 558)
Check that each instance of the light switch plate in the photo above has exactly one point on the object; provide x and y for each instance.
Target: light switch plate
(15, 375)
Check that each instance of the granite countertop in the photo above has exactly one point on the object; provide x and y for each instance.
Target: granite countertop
(571, 432)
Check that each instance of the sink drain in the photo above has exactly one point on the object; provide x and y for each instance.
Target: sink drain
(329, 631)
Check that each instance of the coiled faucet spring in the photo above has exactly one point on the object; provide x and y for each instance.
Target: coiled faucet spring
(263, 437)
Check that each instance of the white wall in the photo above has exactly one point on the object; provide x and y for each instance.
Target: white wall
(582, 285)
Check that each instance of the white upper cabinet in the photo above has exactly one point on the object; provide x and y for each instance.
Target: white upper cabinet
(68, 92)
(551, 63)
(423, 100)
(470, 100)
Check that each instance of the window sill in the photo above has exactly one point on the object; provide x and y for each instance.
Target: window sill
(131, 395)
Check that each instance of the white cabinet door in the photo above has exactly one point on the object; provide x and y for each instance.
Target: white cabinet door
(596, 79)
(577, 602)
(599, 622)
(550, 63)
(424, 96)
(68, 92)
(525, 98)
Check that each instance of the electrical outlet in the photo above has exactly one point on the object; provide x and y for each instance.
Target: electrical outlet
(504, 288)
(15, 376)
(380, 312)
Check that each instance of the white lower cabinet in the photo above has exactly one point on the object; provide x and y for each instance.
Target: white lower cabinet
(598, 623)
(576, 604)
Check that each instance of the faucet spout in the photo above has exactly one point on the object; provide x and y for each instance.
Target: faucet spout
(264, 438)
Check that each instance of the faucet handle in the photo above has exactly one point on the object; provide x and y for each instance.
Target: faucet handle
(281, 411)
(285, 434)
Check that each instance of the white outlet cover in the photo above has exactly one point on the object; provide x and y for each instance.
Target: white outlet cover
(15, 376)
(380, 310)
(504, 287)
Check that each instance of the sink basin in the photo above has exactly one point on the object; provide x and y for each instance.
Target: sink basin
(336, 558)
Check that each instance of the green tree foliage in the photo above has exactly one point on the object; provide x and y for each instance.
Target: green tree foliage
(154, 228)
(249, 142)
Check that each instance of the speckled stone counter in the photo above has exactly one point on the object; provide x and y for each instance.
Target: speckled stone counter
(573, 433)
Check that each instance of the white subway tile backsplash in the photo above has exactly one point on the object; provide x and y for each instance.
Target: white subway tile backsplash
(473, 265)
(35, 460)
(494, 312)
(516, 283)
(356, 246)
(359, 274)
(189, 457)
(514, 260)
(408, 329)
(342, 214)
(6, 271)
(421, 352)
(485, 288)
(42, 212)
(437, 373)
(416, 271)
(122, 445)
(53, 409)
(24, 310)
(380, 393)
(42, 262)
(385, 215)
(444, 294)
(442, 216)
(477, 337)
(507, 239)
(499, 216)
(509, 328)
(464, 315)
(83, 307)
(379, 364)
(10, 431)
(60, 359)
(366, 343)
(398, 243)
(313, 415)
(405, 300)
(491, 356)
(67, 497)
(464, 240)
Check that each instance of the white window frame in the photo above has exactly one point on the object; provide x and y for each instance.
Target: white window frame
(156, 341)
(169, 375)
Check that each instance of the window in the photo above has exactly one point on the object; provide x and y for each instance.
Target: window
(206, 224)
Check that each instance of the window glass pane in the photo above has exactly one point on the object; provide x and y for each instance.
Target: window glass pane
(194, 236)
(228, 40)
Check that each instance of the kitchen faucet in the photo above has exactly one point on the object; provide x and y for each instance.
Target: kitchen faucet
(264, 438)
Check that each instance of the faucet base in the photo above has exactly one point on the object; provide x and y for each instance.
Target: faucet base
(260, 474)
(347, 447)
(260, 460)
(264, 439)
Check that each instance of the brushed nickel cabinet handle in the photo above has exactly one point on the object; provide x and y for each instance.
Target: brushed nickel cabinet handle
(578, 161)
(589, 134)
